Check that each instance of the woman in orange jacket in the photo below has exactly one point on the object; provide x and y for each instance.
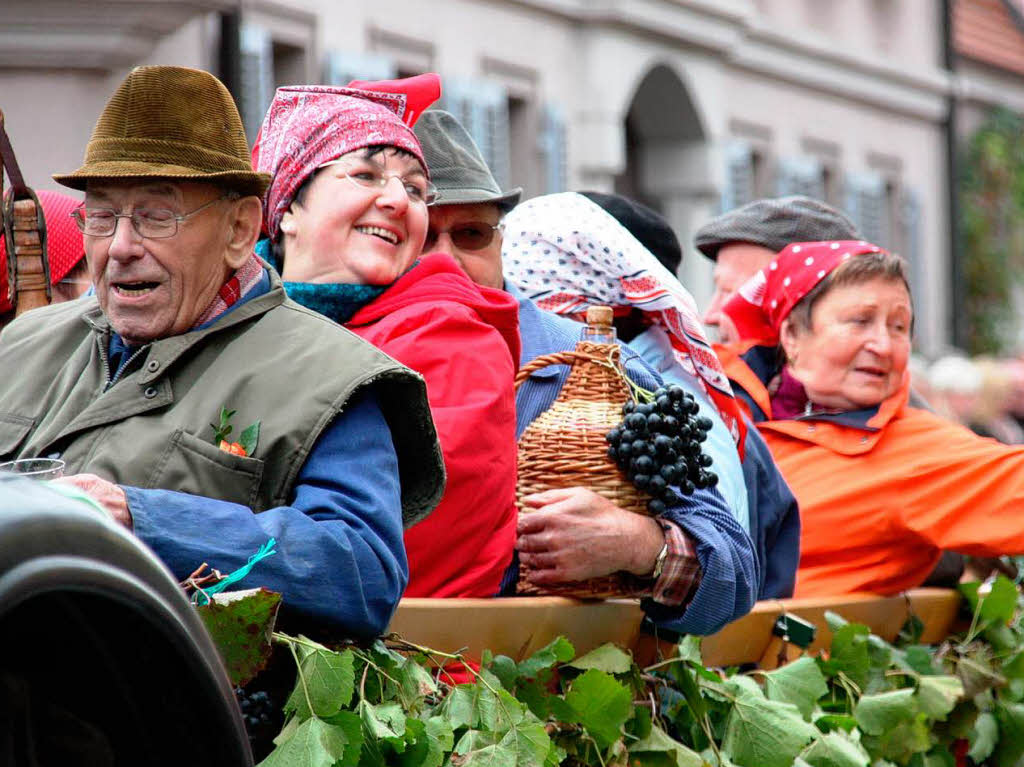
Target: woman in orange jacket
(883, 486)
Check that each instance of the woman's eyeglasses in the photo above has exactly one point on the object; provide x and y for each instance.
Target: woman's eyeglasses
(370, 175)
(474, 235)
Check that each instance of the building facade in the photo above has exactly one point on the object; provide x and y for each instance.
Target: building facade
(689, 105)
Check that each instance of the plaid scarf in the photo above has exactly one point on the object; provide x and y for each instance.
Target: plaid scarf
(241, 282)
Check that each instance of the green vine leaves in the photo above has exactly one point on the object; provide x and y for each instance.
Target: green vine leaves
(865, 703)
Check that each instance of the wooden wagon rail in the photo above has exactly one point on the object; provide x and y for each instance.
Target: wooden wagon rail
(519, 626)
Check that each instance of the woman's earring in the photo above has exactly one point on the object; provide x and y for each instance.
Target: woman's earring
(288, 227)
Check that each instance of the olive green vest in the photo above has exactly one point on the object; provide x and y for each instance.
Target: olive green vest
(270, 360)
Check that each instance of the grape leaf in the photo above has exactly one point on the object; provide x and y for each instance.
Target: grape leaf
(1001, 602)
(877, 713)
(835, 750)
(1010, 748)
(689, 649)
(977, 675)
(849, 653)
(763, 733)
(326, 683)
(984, 736)
(462, 706)
(602, 705)
(314, 744)
(900, 742)
(414, 683)
(800, 683)
(528, 742)
(559, 650)
(659, 742)
(350, 724)
(607, 658)
(505, 669)
(481, 749)
(937, 695)
(240, 624)
(383, 721)
(428, 741)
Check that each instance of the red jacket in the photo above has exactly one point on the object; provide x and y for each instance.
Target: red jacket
(883, 490)
(464, 340)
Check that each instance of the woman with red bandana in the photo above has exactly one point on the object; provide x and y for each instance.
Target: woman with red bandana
(346, 215)
(883, 486)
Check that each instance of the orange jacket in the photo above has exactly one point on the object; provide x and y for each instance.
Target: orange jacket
(882, 491)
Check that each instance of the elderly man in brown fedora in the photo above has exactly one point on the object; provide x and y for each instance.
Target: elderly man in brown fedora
(145, 390)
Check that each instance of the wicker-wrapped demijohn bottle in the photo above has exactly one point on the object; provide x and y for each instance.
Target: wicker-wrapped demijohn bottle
(566, 446)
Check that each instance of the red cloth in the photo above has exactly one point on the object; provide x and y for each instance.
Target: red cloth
(308, 125)
(464, 340)
(767, 298)
(64, 246)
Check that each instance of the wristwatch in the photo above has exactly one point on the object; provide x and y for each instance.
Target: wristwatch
(659, 562)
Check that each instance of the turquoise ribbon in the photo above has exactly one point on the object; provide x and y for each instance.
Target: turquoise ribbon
(266, 550)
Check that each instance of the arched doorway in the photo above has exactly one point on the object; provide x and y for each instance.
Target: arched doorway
(667, 164)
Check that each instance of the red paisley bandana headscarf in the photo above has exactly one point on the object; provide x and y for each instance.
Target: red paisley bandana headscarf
(767, 298)
(567, 253)
(309, 125)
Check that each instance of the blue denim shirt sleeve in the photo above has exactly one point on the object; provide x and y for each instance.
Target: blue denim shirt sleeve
(655, 349)
(340, 555)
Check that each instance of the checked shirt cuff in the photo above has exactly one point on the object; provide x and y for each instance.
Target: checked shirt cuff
(680, 575)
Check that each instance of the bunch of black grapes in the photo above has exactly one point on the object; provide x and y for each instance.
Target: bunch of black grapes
(658, 445)
(263, 720)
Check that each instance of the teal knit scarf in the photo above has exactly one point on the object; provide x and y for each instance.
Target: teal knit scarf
(335, 300)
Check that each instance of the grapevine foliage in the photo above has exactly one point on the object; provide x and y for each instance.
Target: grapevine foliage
(865, 703)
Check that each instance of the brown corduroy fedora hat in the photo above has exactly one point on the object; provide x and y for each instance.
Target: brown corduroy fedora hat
(170, 123)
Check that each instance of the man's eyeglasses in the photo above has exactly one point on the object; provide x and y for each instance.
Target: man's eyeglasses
(368, 174)
(475, 235)
(151, 223)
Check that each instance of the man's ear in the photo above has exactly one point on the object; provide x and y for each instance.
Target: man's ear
(244, 223)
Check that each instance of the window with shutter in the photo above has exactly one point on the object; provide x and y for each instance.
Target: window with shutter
(343, 67)
(868, 204)
(739, 186)
(256, 76)
(552, 139)
(800, 175)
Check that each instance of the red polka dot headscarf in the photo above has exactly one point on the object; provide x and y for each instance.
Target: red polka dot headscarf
(767, 298)
(309, 125)
(64, 245)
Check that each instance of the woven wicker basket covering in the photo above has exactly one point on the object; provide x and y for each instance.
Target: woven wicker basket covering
(566, 447)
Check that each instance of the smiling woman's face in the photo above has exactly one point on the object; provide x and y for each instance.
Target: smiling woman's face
(855, 353)
(342, 232)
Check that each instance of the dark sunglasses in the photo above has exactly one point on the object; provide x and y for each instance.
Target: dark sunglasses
(474, 235)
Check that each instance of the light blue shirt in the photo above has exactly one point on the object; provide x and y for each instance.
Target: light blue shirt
(655, 348)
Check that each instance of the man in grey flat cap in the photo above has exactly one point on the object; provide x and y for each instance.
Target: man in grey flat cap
(744, 239)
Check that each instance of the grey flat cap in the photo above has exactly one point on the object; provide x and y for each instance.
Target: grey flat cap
(774, 223)
(456, 166)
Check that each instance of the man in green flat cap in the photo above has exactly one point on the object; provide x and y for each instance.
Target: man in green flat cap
(145, 390)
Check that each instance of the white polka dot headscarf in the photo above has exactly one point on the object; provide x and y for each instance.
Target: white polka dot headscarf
(767, 298)
(567, 253)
